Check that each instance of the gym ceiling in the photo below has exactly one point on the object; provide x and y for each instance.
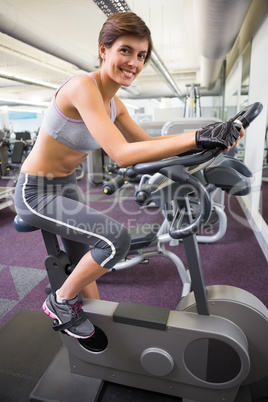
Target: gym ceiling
(42, 43)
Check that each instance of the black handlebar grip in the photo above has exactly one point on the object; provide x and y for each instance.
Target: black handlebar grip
(113, 185)
(130, 172)
(248, 114)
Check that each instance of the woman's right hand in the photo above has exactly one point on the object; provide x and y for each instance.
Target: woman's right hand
(223, 135)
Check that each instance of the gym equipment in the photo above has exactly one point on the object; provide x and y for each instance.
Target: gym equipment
(160, 191)
(95, 166)
(6, 197)
(217, 226)
(192, 104)
(205, 350)
(157, 188)
(9, 165)
(198, 109)
(186, 112)
(149, 241)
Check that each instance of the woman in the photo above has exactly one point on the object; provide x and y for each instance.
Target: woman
(86, 114)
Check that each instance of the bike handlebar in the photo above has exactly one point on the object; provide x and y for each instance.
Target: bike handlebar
(248, 114)
(245, 116)
(174, 168)
(113, 185)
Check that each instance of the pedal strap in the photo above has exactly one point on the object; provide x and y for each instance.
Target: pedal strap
(72, 323)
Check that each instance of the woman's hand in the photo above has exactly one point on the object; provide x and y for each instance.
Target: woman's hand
(223, 135)
(242, 133)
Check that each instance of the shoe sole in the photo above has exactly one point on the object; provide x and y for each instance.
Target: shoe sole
(54, 317)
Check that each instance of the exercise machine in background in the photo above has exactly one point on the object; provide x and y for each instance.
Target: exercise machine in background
(12, 154)
(192, 101)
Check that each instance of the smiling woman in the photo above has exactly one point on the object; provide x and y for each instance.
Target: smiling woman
(86, 114)
(117, 25)
(126, 57)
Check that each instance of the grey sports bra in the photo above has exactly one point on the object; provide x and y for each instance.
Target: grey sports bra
(71, 132)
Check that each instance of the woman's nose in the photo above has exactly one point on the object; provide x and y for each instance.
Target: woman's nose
(133, 62)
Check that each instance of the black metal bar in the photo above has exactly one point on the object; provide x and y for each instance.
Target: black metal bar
(51, 242)
(196, 272)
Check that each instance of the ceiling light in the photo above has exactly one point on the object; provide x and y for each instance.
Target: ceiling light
(23, 102)
(22, 110)
(24, 80)
(112, 6)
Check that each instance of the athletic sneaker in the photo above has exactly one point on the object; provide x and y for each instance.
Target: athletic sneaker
(71, 318)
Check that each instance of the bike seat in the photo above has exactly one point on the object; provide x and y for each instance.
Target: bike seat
(22, 226)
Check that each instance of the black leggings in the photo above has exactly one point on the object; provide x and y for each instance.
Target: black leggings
(57, 206)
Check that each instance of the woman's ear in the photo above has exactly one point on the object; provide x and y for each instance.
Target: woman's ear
(102, 51)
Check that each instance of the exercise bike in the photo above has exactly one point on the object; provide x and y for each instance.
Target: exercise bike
(204, 351)
(158, 191)
(216, 227)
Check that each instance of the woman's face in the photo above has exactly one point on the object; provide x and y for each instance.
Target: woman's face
(125, 59)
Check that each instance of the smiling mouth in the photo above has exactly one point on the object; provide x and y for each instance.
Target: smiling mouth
(127, 73)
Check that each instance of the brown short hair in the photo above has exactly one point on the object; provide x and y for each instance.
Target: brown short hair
(127, 23)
